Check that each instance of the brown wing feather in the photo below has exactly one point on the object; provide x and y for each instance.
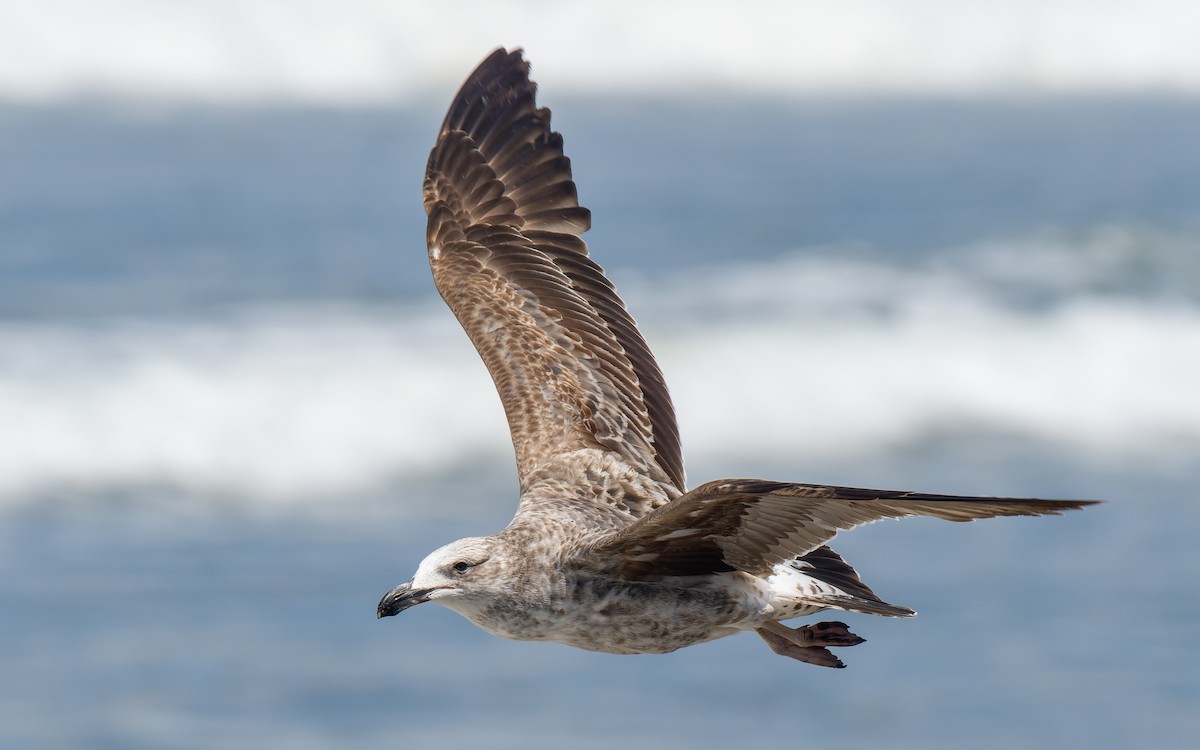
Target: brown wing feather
(568, 361)
(752, 525)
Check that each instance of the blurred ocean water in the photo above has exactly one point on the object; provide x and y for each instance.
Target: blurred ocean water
(235, 413)
(237, 300)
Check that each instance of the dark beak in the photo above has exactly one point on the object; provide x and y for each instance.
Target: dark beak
(401, 598)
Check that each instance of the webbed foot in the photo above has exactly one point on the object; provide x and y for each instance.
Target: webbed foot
(808, 642)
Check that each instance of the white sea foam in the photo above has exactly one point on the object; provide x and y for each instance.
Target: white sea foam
(266, 402)
(818, 356)
(322, 50)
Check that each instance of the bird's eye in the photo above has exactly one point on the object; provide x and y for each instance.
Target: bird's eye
(461, 566)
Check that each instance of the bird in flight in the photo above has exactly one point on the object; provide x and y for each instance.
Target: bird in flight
(609, 551)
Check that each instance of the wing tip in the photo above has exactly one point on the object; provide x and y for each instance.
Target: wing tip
(494, 124)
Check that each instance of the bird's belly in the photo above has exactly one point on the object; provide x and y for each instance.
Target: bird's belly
(630, 618)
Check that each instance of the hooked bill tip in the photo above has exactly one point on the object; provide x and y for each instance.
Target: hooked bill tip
(399, 599)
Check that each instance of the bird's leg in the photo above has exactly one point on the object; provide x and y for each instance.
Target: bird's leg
(807, 643)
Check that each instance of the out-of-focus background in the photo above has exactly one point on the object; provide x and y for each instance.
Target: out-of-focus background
(937, 245)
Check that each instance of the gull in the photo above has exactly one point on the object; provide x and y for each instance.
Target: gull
(608, 550)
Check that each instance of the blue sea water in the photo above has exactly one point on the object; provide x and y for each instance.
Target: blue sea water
(233, 413)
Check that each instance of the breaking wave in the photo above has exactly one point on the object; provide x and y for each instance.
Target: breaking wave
(826, 355)
(369, 50)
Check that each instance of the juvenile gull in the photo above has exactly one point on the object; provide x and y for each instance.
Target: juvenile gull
(608, 551)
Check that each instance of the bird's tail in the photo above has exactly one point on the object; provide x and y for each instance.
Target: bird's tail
(837, 586)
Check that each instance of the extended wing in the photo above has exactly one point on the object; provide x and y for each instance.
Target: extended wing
(572, 370)
(752, 525)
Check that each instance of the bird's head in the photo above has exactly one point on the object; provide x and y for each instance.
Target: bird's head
(458, 575)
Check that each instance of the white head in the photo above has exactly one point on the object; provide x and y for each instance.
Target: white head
(458, 575)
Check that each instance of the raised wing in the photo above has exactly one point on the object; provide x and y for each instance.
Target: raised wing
(568, 361)
(752, 525)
